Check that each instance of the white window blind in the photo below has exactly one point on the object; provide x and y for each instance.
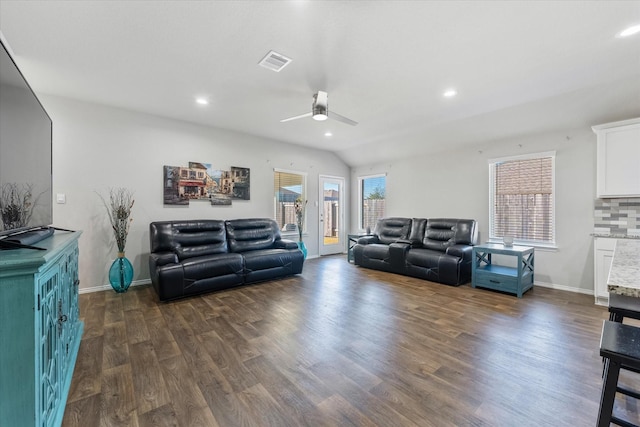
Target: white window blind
(522, 198)
(372, 200)
(287, 187)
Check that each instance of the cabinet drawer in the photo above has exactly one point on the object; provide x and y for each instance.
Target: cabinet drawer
(496, 281)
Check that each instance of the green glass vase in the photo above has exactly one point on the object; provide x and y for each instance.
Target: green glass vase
(303, 248)
(121, 273)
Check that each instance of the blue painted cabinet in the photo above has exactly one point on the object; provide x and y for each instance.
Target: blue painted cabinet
(40, 330)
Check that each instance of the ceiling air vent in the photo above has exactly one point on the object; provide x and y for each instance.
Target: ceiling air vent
(274, 61)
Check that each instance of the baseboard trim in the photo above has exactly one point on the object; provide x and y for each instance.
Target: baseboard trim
(108, 287)
(564, 288)
(148, 282)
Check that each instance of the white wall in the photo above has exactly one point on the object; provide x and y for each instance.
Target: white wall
(456, 184)
(97, 147)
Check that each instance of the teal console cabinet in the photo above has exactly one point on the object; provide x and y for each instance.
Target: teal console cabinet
(487, 273)
(40, 330)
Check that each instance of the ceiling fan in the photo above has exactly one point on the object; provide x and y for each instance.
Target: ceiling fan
(320, 111)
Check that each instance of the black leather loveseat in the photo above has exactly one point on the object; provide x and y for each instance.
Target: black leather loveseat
(195, 256)
(438, 249)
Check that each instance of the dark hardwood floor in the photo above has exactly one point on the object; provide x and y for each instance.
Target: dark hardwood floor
(337, 346)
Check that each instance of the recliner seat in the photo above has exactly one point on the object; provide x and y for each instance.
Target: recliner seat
(193, 257)
(438, 249)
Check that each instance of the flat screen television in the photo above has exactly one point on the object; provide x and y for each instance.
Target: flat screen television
(25, 154)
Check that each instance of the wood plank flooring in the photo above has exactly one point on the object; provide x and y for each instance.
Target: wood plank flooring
(337, 346)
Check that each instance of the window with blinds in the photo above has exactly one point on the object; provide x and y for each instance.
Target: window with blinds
(288, 186)
(372, 191)
(522, 198)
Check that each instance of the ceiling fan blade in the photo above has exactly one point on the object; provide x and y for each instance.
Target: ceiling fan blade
(301, 116)
(342, 119)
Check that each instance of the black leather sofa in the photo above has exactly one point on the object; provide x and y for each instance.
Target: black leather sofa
(196, 256)
(438, 249)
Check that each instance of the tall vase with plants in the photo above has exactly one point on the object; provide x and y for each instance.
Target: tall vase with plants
(300, 207)
(119, 210)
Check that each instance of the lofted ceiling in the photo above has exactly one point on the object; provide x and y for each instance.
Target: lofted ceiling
(519, 67)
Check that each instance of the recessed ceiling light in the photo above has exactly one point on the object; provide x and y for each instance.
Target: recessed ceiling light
(629, 31)
(202, 101)
(328, 134)
(450, 93)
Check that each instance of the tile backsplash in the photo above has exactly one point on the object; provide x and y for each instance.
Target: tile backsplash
(617, 216)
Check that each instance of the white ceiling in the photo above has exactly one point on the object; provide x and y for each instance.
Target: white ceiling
(519, 67)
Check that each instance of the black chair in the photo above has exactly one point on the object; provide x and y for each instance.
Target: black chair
(621, 306)
(620, 350)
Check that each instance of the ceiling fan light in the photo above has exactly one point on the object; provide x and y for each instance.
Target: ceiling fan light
(319, 112)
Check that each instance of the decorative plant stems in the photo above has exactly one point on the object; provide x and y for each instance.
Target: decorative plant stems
(16, 204)
(119, 210)
(300, 206)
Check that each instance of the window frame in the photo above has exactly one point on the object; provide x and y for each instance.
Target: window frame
(551, 244)
(361, 179)
(294, 233)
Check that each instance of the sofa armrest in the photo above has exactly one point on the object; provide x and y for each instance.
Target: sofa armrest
(412, 243)
(167, 275)
(285, 244)
(461, 251)
(398, 253)
(163, 258)
(368, 240)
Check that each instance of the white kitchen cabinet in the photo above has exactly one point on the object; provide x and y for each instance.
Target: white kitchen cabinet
(618, 154)
(603, 255)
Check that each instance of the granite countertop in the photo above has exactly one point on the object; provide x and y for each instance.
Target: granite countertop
(624, 277)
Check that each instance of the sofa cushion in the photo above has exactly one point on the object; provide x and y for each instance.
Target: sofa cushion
(267, 264)
(440, 233)
(188, 239)
(376, 251)
(389, 230)
(267, 258)
(431, 259)
(203, 267)
(252, 234)
(436, 266)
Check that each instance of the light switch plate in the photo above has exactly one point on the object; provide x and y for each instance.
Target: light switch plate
(61, 198)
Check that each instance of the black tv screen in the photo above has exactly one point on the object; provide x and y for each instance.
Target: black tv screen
(25, 153)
